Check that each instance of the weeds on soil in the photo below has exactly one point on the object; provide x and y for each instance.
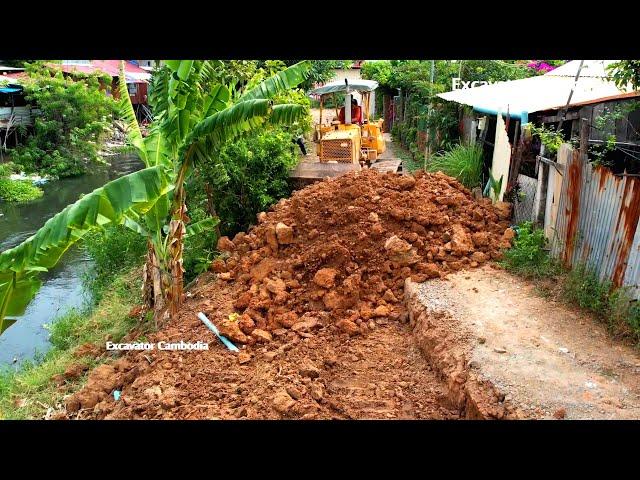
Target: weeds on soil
(580, 286)
(615, 306)
(528, 256)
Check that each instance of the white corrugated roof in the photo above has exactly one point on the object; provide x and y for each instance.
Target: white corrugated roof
(546, 92)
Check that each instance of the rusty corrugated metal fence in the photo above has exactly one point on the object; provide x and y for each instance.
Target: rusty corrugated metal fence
(597, 221)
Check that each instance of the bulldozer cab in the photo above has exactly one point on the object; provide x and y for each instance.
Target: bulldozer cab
(349, 136)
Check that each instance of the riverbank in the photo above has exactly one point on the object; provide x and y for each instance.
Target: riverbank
(37, 388)
(16, 186)
(63, 287)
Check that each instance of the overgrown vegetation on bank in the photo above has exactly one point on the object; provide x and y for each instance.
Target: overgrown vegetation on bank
(16, 190)
(72, 117)
(579, 286)
(114, 282)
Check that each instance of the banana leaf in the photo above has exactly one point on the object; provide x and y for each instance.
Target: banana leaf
(121, 201)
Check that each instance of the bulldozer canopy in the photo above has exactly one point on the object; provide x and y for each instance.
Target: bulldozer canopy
(340, 86)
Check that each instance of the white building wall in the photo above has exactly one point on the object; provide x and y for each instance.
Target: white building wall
(353, 74)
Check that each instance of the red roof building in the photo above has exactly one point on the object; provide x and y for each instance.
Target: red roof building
(137, 78)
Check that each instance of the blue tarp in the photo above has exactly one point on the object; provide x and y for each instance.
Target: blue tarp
(10, 90)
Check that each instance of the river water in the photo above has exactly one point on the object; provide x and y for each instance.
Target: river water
(62, 285)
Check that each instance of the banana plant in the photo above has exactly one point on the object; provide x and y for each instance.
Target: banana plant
(194, 115)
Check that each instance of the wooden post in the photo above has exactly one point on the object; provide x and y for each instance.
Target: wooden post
(540, 205)
(584, 139)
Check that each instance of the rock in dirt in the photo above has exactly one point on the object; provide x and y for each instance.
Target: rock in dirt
(271, 238)
(103, 379)
(401, 251)
(325, 277)
(317, 392)
(244, 357)
(560, 414)
(503, 209)
(295, 392)
(283, 402)
(305, 325)
(75, 370)
(381, 311)
(218, 266)
(309, 370)
(225, 245)
(262, 336)
(349, 327)
(461, 242)
(230, 328)
(287, 320)
(284, 234)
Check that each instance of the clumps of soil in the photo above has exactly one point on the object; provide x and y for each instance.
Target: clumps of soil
(313, 296)
(338, 252)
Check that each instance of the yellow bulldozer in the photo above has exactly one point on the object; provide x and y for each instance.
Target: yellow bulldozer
(348, 140)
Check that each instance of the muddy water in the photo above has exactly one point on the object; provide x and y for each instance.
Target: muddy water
(62, 286)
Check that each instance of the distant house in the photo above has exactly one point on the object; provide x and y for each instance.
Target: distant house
(14, 110)
(137, 78)
(550, 99)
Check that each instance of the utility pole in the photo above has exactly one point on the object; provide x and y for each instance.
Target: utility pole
(427, 146)
(566, 107)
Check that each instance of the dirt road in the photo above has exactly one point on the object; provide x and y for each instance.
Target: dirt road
(542, 358)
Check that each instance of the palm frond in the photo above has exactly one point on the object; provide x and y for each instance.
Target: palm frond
(231, 122)
(284, 80)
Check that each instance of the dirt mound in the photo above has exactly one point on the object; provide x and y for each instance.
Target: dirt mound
(324, 266)
(339, 251)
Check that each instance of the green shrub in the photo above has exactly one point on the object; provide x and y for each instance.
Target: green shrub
(461, 162)
(114, 250)
(6, 169)
(527, 256)
(18, 190)
(623, 315)
(249, 176)
(584, 288)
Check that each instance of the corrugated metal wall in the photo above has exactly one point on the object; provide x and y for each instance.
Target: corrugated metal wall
(597, 221)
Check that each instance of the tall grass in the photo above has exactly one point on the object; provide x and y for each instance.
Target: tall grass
(29, 391)
(463, 162)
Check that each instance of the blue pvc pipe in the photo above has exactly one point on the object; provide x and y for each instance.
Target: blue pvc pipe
(523, 115)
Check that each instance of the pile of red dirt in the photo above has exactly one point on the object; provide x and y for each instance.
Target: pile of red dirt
(324, 266)
(338, 251)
